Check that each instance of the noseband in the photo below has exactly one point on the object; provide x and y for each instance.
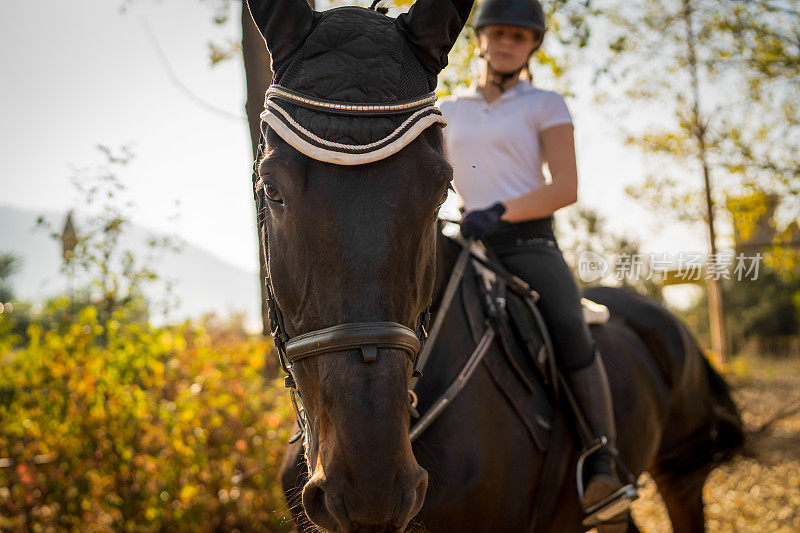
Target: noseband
(367, 337)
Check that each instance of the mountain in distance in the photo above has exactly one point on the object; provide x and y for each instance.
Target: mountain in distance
(202, 282)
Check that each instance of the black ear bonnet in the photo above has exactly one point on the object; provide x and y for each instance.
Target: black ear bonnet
(360, 85)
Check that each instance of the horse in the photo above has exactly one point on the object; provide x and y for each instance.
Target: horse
(675, 419)
(348, 183)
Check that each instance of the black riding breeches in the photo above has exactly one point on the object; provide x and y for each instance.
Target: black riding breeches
(529, 250)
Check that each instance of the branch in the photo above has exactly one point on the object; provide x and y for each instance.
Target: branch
(772, 7)
(180, 85)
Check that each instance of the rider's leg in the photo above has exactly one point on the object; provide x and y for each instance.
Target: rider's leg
(590, 387)
(543, 267)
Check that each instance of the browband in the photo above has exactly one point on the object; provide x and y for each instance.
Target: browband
(423, 113)
(276, 91)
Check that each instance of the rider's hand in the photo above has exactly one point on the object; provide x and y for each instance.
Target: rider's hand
(481, 221)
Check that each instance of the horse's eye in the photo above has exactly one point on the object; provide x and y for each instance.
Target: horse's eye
(272, 193)
(444, 197)
(446, 192)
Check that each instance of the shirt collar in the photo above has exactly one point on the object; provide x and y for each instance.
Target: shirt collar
(519, 88)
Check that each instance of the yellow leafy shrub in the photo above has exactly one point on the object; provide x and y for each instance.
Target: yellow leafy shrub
(124, 426)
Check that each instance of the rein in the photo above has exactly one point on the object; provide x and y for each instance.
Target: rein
(370, 336)
(493, 310)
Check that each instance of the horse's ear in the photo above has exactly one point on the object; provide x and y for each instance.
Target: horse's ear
(431, 27)
(284, 24)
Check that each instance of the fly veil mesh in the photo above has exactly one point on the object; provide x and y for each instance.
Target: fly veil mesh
(353, 92)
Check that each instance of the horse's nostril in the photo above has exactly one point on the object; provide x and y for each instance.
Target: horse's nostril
(317, 506)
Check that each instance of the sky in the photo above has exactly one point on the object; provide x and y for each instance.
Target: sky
(77, 74)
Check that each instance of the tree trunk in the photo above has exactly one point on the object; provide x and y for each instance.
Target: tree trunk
(716, 310)
(258, 76)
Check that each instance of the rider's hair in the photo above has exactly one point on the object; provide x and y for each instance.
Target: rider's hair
(526, 73)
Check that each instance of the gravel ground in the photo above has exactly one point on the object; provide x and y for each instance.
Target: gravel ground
(761, 490)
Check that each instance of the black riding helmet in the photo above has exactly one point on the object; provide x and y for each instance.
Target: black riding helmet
(520, 13)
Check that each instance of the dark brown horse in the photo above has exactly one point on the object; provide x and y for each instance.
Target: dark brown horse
(348, 187)
(674, 417)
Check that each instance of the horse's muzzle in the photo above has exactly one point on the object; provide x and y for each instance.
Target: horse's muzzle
(385, 509)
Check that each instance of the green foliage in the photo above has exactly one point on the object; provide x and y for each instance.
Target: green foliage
(104, 266)
(762, 315)
(116, 425)
(717, 84)
(9, 265)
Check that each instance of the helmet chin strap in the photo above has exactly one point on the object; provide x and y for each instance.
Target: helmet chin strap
(500, 79)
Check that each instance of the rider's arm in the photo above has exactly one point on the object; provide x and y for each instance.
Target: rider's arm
(558, 150)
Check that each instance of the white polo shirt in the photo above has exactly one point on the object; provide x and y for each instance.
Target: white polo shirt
(494, 148)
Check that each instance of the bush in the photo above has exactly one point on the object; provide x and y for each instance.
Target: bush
(123, 426)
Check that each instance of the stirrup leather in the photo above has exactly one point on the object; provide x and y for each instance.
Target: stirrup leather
(616, 503)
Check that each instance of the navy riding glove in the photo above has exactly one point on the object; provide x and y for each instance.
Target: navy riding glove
(481, 221)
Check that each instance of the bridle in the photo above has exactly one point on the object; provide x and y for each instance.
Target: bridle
(367, 337)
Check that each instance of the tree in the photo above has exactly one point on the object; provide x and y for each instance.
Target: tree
(258, 76)
(678, 54)
(763, 314)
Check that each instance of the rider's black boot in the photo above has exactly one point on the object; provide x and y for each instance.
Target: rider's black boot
(605, 497)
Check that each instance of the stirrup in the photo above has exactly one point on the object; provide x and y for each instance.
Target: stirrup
(616, 503)
(605, 511)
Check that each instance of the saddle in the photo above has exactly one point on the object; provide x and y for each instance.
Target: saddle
(499, 306)
(525, 369)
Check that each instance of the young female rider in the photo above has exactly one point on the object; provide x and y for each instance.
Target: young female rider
(497, 139)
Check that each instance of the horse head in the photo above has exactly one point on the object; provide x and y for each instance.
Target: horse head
(349, 182)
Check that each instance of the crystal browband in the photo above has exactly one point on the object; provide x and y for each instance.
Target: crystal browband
(421, 112)
(276, 91)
